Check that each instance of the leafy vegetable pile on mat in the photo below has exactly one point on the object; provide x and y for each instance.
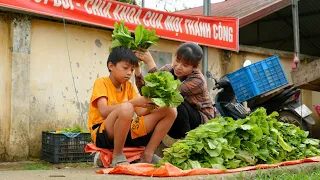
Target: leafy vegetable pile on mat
(162, 88)
(224, 143)
(143, 38)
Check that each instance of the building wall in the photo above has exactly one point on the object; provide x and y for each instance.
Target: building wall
(50, 74)
(55, 102)
(5, 83)
(64, 65)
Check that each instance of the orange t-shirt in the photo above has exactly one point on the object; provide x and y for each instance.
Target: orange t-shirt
(103, 87)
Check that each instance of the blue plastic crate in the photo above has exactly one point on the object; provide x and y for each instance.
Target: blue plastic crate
(258, 78)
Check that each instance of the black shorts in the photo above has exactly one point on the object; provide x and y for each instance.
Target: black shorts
(102, 140)
(188, 118)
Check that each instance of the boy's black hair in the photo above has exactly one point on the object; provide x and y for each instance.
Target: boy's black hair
(190, 52)
(119, 54)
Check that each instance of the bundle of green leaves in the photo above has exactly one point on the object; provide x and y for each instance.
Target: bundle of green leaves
(163, 89)
(74, 129)
(142, 39)
(224, 143)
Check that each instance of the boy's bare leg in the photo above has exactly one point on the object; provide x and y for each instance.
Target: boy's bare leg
(117, 125)
(160, 122)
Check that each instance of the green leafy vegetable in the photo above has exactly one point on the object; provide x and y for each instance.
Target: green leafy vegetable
(74, 129)
(162, 88)
(143, 38)
(224, 143)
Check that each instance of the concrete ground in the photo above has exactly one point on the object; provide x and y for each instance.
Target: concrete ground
(74, 174)
(88, 173)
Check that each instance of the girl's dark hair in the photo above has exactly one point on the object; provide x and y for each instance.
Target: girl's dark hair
(190, 52)
(119, 54)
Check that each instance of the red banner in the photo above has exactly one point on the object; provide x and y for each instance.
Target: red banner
(220, 32)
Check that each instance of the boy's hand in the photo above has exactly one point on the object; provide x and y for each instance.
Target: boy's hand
(143, 102)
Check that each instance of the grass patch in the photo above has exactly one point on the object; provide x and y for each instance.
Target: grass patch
(37, 164)
(301, 173)
(76, 165)
(42, 165)
(288, 175)
(35, 167)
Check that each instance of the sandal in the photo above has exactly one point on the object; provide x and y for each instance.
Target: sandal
(118, 160)
(97, 162)
(155, 160)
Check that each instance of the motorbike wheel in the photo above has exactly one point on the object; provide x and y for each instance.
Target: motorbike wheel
(290, 117)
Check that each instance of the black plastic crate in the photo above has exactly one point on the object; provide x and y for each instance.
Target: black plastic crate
(58, 148)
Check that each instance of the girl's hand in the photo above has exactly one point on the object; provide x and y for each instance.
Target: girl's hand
(145, 56)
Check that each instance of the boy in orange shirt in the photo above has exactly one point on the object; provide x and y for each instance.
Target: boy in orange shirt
(112, 106)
